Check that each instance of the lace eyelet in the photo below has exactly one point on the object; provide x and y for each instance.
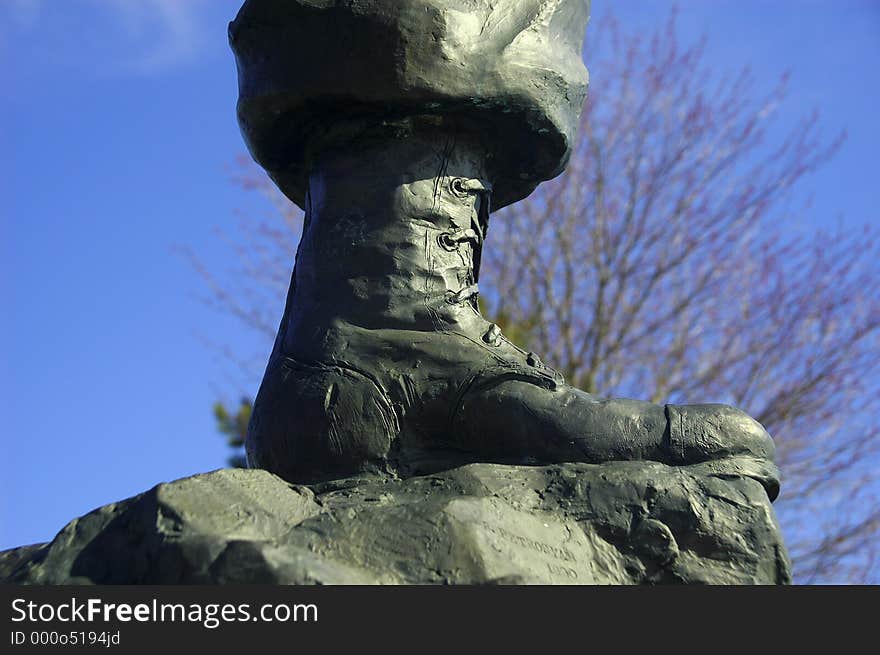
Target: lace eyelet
(458, 187)
(447, 242)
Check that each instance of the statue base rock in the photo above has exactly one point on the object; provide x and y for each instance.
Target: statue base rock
(613, 523)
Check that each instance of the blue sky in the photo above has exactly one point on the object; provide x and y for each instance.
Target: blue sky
(118, 138)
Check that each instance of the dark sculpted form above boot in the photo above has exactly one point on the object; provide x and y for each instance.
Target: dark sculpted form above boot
(382, 361)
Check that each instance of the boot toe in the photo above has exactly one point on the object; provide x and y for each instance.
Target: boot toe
(701, 432)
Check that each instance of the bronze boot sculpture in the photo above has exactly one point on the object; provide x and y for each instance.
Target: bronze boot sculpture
(440, 452)
(398, 127)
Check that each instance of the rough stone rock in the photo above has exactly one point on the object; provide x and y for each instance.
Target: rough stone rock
(615, 523)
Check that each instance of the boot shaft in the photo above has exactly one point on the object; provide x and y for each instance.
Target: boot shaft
(391, 239)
